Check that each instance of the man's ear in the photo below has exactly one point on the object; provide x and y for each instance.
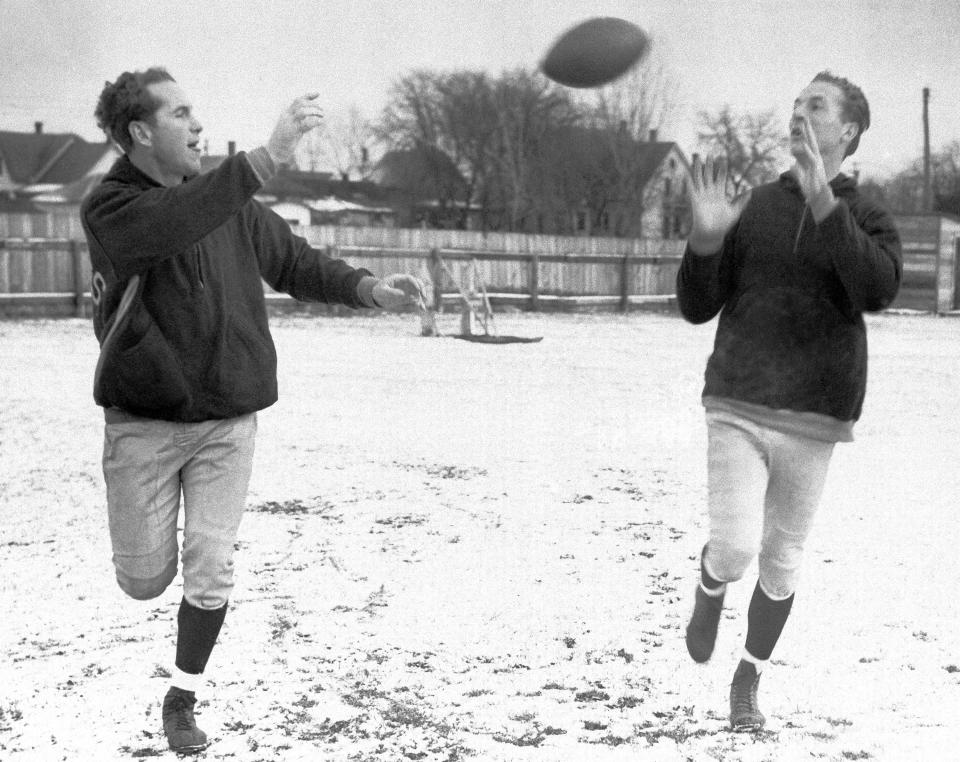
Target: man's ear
(140, 133)
(850, 131)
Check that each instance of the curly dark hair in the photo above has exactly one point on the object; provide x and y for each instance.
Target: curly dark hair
(128, 100)
(855, 106)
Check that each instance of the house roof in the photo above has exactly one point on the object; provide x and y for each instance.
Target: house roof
(32, 158)
(211, 161)
(70, 193)
(652, 156)
(425, 168)
(294, 183)
(332, 204)
(596, 145)
(17, 205)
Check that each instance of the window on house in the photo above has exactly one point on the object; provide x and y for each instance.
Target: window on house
(667, 186)
(581, 220)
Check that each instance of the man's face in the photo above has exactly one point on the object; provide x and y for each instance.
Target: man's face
(821, 103)
(174, 133)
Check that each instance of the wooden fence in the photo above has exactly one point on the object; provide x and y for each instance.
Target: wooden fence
(44, 276)
(51, 275)
(44, 267)
(931, 253)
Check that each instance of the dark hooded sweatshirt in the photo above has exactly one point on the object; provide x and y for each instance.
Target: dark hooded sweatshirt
(196, 345)
(791, 293)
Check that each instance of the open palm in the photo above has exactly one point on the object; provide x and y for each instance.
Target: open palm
(713, 214)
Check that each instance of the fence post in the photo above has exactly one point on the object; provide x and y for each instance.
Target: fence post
(534, 278)
(435, 269)
(79, 287)
(625, 283)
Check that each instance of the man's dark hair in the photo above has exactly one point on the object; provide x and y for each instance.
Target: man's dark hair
(128, 100)
(855, 106)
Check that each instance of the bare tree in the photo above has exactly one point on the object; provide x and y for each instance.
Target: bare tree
(531, 157)
(529, 109)
(754, 145)
(489, 129)
(630, 111)
(449, 112)
(946, 179)
(468, 125)
(644, 99)
(904, 191)
(345, 144)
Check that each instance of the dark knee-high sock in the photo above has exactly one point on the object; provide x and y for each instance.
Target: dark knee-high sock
(197, 631)
(765, 620)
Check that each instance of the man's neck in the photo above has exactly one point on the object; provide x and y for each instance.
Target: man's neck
(831, 166)
(148, 165)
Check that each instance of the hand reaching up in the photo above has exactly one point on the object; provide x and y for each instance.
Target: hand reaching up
(811, 173)
(301, 116)
(713, 213)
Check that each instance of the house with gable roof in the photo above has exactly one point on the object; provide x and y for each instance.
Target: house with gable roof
(609, 183)
(309, 197)
(597, 183)
(39, 169)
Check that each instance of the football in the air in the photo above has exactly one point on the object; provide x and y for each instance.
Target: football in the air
(595, 52)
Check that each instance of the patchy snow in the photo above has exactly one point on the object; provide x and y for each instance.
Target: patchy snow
(461, 551)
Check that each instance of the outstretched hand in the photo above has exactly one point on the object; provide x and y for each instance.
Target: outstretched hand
(301, 116)
(396, 291)
(713, 213)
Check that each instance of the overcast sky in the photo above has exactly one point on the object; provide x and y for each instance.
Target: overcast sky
(241, 62)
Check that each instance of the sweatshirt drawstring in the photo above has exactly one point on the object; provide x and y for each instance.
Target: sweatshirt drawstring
(803, 218)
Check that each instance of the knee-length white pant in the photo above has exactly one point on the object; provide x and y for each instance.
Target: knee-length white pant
(764, 487)
(147, 465)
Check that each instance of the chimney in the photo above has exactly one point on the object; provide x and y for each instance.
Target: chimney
(653, 135)
(231, 147)
(38, 128)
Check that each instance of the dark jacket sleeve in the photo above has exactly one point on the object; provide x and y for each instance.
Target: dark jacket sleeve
(136, 227)
(704, 283)
(867, 257)
(289, 264)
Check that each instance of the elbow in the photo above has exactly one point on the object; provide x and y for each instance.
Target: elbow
(694, 311)
(698, 318)
(881, 297)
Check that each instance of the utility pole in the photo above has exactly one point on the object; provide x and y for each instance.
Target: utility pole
(927, 180)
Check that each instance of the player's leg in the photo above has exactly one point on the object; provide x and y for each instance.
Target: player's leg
(141, 469)
(797, 477)
(736, 485)
(215, 482)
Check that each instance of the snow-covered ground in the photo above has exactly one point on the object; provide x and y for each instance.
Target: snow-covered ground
(459, 551)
